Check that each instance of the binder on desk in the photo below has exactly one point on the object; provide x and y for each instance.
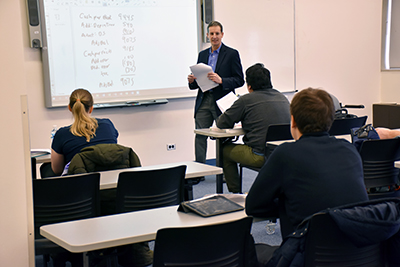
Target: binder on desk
(210, 206)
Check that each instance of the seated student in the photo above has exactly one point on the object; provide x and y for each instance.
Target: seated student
(85, 131)
(256, 111)
(315, 172)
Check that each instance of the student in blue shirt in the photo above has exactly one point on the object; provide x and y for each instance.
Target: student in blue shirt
(85, 131)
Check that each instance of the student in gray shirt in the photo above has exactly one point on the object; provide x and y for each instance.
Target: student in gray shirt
(256, 110)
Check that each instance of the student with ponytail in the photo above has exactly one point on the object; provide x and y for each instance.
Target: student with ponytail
(85, 131)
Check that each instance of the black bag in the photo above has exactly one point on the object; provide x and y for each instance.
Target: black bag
(363, 133)
(343, 114)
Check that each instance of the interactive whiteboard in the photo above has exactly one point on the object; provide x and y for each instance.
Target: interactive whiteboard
(120, 50)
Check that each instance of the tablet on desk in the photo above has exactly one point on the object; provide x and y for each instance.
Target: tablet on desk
(210, 206)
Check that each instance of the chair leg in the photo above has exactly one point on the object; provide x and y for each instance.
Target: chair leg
(46, 259)
(240, 178)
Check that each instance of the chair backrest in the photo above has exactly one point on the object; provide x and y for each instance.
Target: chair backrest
(326, 245)
(213, 245)
(148, 189)
(65, 199)
(33, 168)
(343, 126)
(378, 157)
(46, 170)
(278, 132)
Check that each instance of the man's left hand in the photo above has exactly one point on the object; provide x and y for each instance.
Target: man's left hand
(214, 77)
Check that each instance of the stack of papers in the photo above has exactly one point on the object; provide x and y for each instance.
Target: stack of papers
(200, 71)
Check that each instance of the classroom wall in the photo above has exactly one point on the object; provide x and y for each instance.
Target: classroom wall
(13, 190)
(337, 48)
(330, 35)
(390, 81)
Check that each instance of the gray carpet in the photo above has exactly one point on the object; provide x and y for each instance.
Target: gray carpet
(207, 186)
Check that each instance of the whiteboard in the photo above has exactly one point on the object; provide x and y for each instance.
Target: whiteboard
(120, 50)
(262, 31)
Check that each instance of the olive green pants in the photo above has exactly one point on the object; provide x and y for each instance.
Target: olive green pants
(234, 154)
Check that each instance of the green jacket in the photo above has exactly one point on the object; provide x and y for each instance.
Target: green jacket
(103, 157)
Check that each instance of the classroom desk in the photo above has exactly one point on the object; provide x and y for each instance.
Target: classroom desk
(397, 164)
(127, 228)
(43, 159)
(109, 179)
(220, 137)
(277, 143)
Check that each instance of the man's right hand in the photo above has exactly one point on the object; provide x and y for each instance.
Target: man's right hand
(191, 78)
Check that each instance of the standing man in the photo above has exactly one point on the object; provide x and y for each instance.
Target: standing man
(258, 109)
(227, 72)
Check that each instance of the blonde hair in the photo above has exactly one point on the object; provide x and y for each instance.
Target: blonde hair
(80, 103)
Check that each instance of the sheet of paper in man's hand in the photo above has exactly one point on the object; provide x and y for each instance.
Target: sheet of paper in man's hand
(227, 101)
(200, 71)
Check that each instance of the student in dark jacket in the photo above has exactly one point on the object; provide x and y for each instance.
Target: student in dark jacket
(315, 172)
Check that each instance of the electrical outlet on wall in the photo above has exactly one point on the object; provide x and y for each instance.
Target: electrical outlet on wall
(171, 147)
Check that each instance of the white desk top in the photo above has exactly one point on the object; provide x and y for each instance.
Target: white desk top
(109, 179)
(221, 133)
(43, 159)
(126, 228)
(277, 143)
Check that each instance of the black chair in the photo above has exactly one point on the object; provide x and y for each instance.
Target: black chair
(63, 199)
(275, 132)
(380, 173)
(46, 170)
(343, 126)
(148, 189)
(327, 245)
(212, 245)
(33, 168)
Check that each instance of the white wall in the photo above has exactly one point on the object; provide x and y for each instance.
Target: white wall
(13, 191)
(390, 83)
(338, 49)
(333, 51)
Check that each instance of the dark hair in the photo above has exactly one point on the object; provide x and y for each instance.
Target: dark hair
(312, 110)
(215, 23)
(258, 77)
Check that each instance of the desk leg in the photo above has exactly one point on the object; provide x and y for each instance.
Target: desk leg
(218, 159)
(85, 259)
(188, 192)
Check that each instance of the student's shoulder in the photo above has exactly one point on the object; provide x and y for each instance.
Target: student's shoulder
(104, 122)
(63, 130)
